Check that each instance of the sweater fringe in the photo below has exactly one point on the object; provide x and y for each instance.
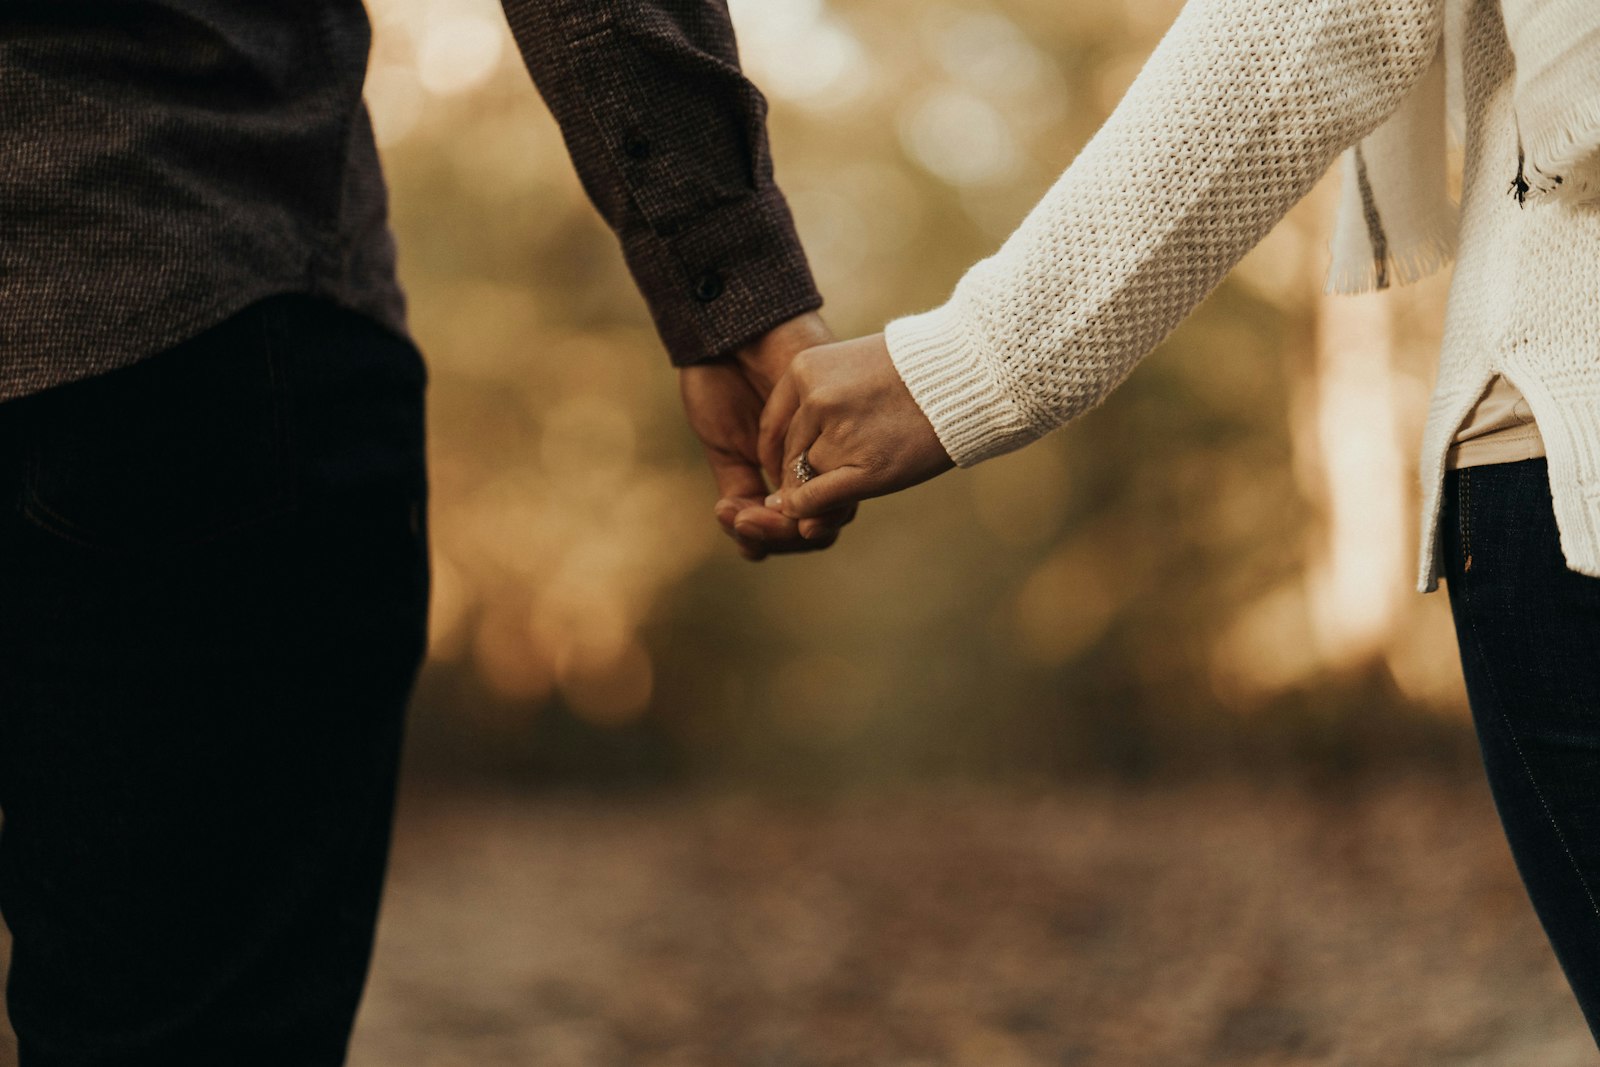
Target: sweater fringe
(1406, 266)
(1565, 156)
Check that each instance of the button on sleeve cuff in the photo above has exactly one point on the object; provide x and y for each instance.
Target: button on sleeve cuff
(724, 278)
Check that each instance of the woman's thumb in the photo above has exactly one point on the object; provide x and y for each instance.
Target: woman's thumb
(819, 495)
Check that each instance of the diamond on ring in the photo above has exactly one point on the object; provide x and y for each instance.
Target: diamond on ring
(803, 471)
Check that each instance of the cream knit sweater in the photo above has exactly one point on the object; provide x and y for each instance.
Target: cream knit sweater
(1239, 112)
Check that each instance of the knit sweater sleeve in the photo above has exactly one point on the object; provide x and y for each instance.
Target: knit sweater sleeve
(1237, 114)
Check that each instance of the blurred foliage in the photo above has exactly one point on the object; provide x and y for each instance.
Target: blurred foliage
(1147, 590)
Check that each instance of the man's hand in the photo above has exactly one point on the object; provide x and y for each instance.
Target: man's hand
(845, 409)
(723, 402)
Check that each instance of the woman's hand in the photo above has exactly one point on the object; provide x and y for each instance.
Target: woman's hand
(723, 401)
(844, 409)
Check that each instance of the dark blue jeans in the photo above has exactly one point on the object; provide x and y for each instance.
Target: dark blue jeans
(213, 596)
(1529, 631)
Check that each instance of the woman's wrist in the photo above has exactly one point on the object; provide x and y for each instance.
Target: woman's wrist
(955, 384)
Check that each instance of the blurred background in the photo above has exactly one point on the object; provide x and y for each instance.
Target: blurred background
(1135, 747)
(1214, 570)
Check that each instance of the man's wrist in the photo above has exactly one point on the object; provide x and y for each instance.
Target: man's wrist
(765, 359)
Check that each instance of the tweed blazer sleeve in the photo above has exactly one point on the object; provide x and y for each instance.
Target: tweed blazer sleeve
(670, 142)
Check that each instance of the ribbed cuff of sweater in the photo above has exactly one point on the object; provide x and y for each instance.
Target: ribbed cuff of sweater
(956, 388)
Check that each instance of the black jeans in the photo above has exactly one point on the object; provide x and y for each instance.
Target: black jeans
(213, 598)
(1529, 631)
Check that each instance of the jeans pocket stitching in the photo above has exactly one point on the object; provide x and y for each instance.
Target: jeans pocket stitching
(38, 510)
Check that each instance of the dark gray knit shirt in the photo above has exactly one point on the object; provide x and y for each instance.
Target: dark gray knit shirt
(164, 163)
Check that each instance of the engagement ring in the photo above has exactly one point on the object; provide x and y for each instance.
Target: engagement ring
(803, 471)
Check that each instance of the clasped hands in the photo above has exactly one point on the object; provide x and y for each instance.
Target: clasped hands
(793, 393)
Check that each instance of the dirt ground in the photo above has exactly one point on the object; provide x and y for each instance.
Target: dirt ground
(963, 928)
